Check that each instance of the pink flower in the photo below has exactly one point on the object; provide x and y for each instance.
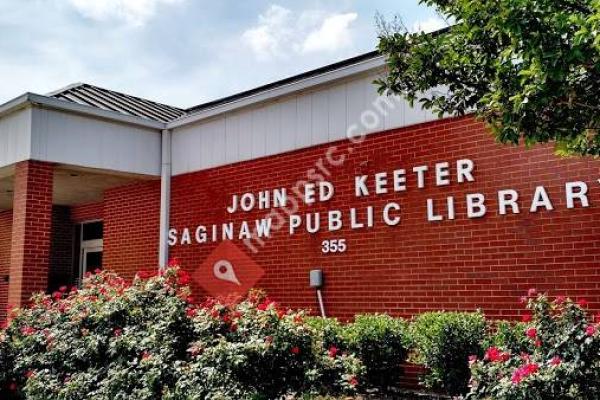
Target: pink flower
(555, 361)
(532, 292)
(560, 299)
(493, 354)
(590, 330)
(582, 302)
(27, 330)
(333, 351)
(146, 355)
(523, 372)
(472, 359)
(63, 289)
(191, 312)
(531, 333)
(117, 332)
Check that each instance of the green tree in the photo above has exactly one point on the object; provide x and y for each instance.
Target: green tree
(529, 68)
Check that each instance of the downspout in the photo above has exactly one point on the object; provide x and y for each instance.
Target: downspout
(165, 198)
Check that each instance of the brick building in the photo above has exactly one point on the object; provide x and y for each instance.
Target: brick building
(403, 212)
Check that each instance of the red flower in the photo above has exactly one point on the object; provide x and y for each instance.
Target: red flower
(280, 314)
(233, 328)
(590, 330)
(12, 387)
(183, 277)
(265, 304)
(63, 289)
(147, 274)
(29, 374)
(531, 333)
(333, 351)
(191, 312)
(57, 295)
(173, 262)
(582, 302)
(493, 354)
(295, 350)
(117, 332)
(353, 381)
(523, 372)
(27, 330)
(146, 355)
(526, 318)
(532, 292)
(555, 361)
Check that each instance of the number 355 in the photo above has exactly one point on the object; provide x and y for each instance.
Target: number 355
(333, 246)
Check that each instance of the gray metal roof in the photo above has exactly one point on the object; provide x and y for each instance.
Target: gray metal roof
(86, 94)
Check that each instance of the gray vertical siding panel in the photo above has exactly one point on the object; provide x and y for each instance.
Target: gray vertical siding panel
(297, 121)
(15, 137)
(76, 140)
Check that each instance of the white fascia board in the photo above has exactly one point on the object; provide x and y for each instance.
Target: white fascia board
(303, 84)
(56, 104)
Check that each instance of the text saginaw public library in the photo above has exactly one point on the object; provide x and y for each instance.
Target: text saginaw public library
(477, 205)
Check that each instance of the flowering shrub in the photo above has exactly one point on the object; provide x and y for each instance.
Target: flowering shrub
(254, 347)
(331, 332)
(563, 360)
(148, 340)
(111, 339)
(381, 342)
(443, 342)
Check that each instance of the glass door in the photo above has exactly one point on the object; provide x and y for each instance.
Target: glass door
(91, 246)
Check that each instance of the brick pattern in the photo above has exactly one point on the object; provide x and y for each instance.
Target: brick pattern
(87, 212)
(416, 266)
(131, 228)
(5, 241)
(31, 227)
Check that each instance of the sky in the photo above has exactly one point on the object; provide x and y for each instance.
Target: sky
(184, 52)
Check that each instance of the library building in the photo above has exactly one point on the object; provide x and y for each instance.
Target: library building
(314, 188)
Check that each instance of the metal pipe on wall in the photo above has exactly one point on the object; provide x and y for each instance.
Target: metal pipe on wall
(165, 198)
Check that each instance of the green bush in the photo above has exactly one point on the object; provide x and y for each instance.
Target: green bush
(147, 340)
(330, 331)
(381, 343)
(510, 336)
(443, 343)
(563, 361)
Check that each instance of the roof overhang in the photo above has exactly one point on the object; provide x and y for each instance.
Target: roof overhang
(36, 100)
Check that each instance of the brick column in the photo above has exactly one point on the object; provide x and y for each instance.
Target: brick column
(32, 220)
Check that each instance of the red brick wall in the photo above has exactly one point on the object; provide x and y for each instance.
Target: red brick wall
(5, 241)
(32, 222)
(87, 212)
(131, 227)
(416, 266)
